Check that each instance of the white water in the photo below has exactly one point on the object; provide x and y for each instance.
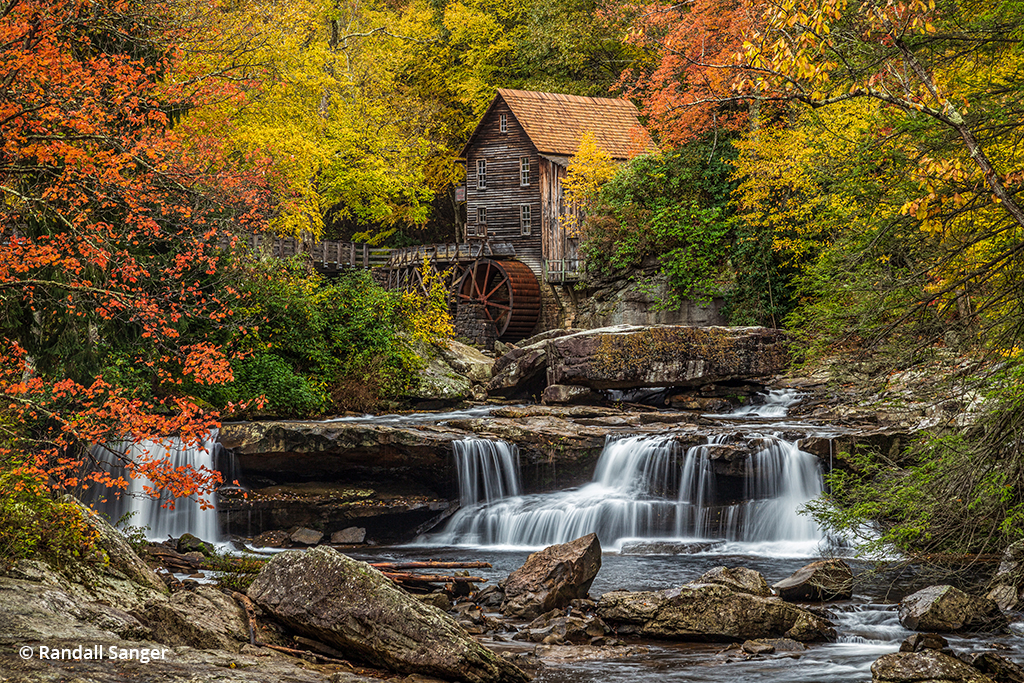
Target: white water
(645, 487)
(151, 512)
(487, 470)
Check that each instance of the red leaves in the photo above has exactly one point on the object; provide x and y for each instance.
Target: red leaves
(110, 232)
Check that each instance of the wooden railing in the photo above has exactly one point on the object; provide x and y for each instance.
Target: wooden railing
(448, 253)
(563, 270)
(326, 254)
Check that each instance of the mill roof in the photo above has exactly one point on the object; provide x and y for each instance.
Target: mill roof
(555, 123)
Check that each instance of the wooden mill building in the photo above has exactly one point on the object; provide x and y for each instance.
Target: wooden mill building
(516, 160)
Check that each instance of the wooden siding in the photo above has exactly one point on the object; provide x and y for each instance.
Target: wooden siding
(504, 195)
(557, 244)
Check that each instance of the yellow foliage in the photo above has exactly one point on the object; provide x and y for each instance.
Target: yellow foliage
(429, 316)
(589, 169)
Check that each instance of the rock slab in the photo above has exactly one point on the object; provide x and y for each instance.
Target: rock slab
(552, 578)
(353, 607)
(710, 612)
(922, 667)
(947, 609)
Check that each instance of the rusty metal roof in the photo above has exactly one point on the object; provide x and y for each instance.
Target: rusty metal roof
(555, 123)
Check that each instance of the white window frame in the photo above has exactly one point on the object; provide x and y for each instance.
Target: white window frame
(481, 221)
(524, 171)
(503, 123)
(525, 219)
(481, 174)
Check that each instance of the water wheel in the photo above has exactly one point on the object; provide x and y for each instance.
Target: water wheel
(508, 294)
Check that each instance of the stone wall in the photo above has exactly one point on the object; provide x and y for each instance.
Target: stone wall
(472, 323)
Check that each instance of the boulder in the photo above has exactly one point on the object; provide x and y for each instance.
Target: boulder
(1008, 583)
(667, 547)
(945, 608)
(466, 361)
(767, 646)
(552, 578)
(350, 536)
(710, 612)
(924, 641)
(121, 561)
(351, 606)
(630, 357)
(927, 666)
(204, 618)
(276, 538)
(439, 382)
(193, 544)
(739, 579)
(520, 373)
(998, 668)
(306, 536)
(818, 581)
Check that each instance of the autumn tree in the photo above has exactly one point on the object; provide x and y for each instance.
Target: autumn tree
(113, 291)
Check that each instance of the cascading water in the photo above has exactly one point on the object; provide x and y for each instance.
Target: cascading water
(645, 487)
(487, 470)
(149, 511)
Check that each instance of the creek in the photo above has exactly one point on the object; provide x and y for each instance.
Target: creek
(647, 490)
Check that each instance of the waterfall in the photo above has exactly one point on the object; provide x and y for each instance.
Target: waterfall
(149, 511)
(644, 487)
(487, 470)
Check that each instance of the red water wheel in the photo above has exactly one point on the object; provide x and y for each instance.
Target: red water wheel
(507, 292)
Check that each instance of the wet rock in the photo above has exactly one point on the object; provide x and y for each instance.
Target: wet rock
(491, 596)
(277, 538)
(466, 360)
(996, 667)
(581, 653)
(1008, 583)
(710, 612)
(818, 581)
(738, 579)
(924, 641)
(552, 578)
(204, 618)
(564, 394)
(767, 646)
(757, 647)
(667, 547)
(565, 628)
(927, 666)
(945, 608)
(353, 607)
(189, 543)
(350, 536)
(439, 600)
(527, 661)
(306, 536)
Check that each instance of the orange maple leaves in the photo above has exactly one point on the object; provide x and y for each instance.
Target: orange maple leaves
(110, 230)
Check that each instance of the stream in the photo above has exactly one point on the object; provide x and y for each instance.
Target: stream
(648, 489)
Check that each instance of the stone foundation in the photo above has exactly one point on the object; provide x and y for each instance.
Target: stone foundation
(472, 323)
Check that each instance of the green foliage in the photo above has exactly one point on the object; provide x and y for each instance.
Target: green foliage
(312, 345)
(957, 492)
(673, 207)
(34, 523)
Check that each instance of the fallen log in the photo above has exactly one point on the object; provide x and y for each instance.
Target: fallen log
(400, 577)
(430, 564)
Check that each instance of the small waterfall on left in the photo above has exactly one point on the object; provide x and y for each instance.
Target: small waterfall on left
(150, 511)
(487, 470)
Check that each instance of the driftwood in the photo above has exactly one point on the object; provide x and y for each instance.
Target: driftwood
(430, 564)
(404, 577)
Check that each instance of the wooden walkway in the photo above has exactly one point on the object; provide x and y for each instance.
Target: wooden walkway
(333, 255)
